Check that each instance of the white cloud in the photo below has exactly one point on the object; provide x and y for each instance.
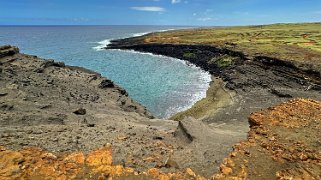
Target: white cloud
(204, 19)
(176, 1)
(148, 8)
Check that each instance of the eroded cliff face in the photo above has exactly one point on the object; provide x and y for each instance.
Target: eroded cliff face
(63, 109)
(283, 143)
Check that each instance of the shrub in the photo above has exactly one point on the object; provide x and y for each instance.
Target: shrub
(223, 61)
(189, 55)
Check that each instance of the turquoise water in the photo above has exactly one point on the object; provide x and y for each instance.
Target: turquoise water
(164, 85)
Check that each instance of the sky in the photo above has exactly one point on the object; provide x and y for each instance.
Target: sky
(158, 12)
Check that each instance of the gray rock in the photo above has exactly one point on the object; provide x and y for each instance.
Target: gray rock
(80, 111)
(106, 83)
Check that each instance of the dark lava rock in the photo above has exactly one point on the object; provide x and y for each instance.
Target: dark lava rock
(280, 94)
(106, 83)
(90, 125)
(8, 50)
(3, 94)
(158, 138)
(80, 111)
(123, 92)
(52, 63)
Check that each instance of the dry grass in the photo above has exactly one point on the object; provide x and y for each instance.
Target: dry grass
(298, 42)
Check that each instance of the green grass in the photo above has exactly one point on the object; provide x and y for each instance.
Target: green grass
(189, 55)
(297, 42)
(223, 61)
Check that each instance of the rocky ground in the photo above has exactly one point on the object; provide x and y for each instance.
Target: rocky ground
(61, 109)
(54, 118)
(283, 143)
(243, 84)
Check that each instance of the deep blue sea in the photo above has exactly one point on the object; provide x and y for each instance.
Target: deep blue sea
(164, 85)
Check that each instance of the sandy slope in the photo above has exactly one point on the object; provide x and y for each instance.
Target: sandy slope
(63, 109)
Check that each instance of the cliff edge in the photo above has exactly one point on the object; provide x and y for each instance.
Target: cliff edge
(62, 109)
(283, 143)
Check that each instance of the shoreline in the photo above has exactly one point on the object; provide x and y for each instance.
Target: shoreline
(137, 147)
(196, 97)
(57, 119)
(206, 76)
(268, 89)
(106, 42)
(216, 97)
(49, 105)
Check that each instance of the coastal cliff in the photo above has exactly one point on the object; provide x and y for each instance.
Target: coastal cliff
(61, 109)
(251, 71)
(66, 122)
(245, 80)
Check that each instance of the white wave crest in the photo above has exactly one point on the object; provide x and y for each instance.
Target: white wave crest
(144, 33)
(102, 45)
(203, 84)
(140, 34)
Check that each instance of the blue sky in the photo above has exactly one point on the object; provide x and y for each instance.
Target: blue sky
(158, 12)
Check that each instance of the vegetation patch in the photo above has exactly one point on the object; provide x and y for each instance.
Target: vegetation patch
(295, 42)
(189, 55)
(223, 61)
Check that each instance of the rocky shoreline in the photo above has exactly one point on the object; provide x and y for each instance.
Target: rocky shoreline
(58, 108)
(65, 122)
(257, 81)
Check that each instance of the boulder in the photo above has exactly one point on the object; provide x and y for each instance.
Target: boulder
(80, 111)
(106, 83)
(8, 50)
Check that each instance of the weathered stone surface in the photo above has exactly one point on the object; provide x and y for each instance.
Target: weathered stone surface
(37, 111)
(80, 111)
(106, 83)
(283, 143)
(35, 163)
(8, 50)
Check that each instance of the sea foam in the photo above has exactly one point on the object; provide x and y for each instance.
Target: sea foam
(106, 42)
(204, 83)
(102, 45)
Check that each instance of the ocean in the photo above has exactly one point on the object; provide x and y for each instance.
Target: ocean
(164, 85)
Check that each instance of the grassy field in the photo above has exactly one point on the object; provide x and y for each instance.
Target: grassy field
(298, 42)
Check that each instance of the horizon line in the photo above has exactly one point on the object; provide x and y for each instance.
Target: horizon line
(159, 25)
